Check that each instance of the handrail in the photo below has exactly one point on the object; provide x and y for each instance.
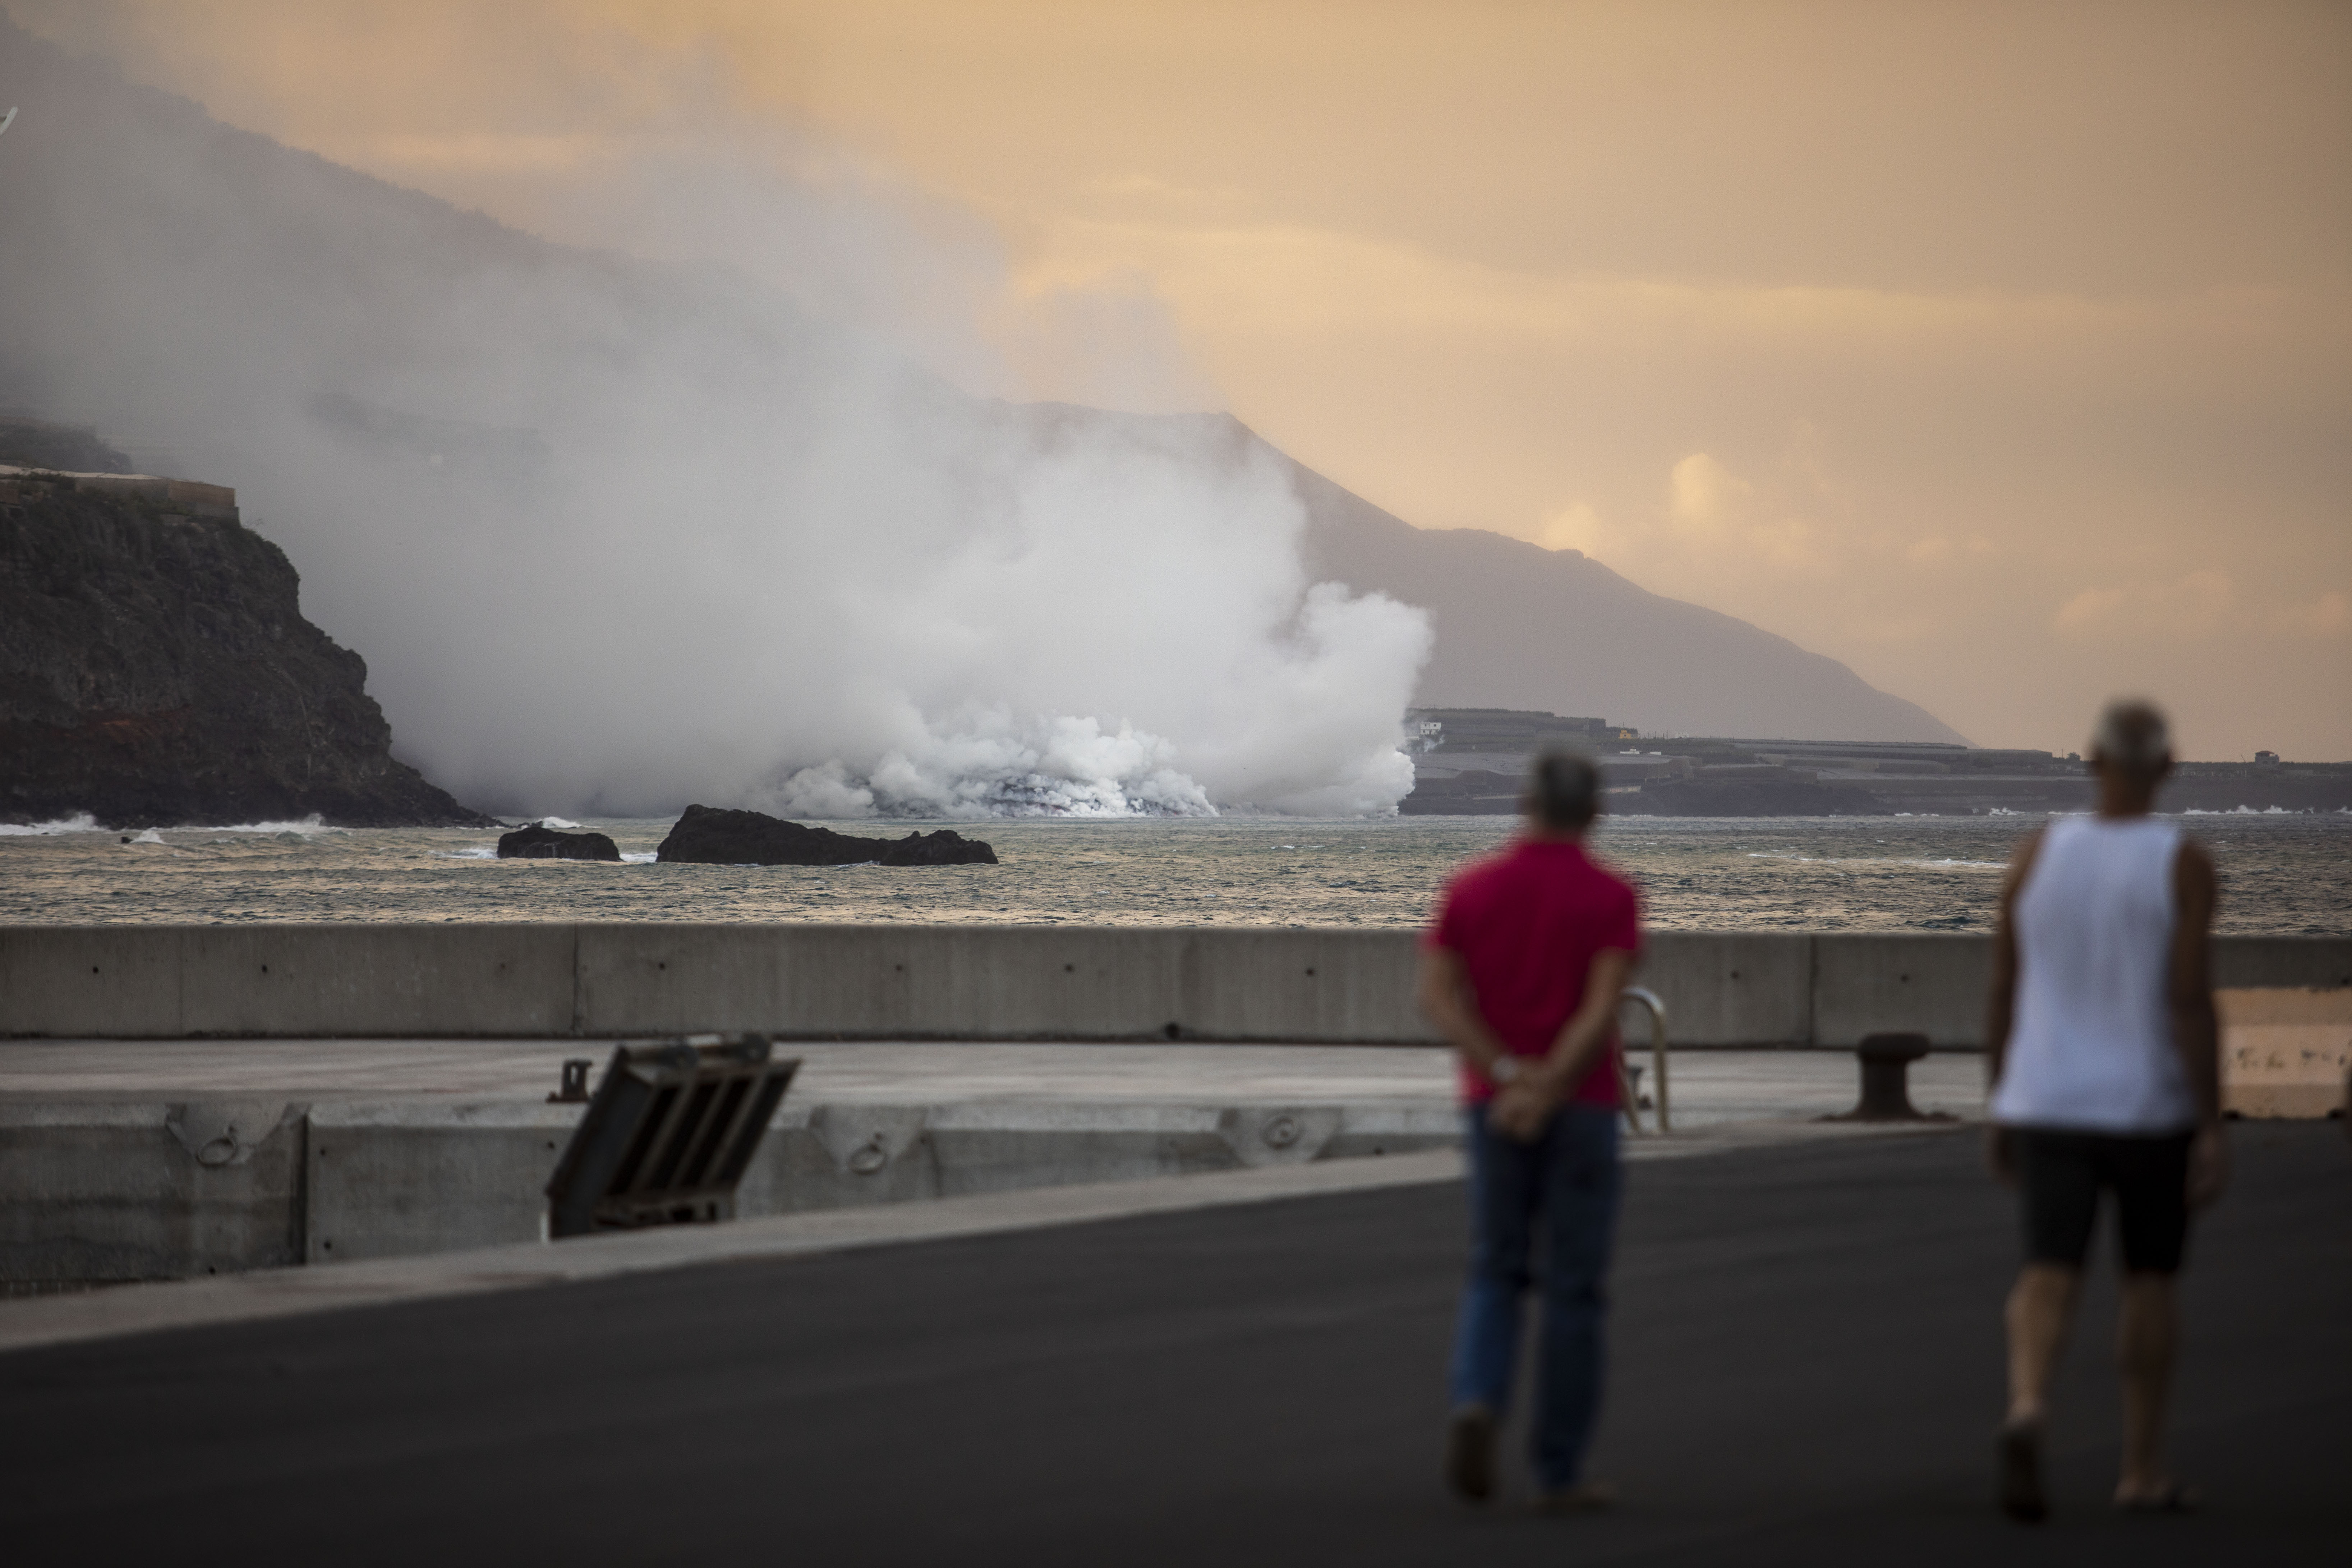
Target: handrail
(1657, 1010)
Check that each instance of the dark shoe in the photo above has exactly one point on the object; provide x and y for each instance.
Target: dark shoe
(2172, 1496)
(2020, 1473)
(1470, 1453)
(1584, 1497)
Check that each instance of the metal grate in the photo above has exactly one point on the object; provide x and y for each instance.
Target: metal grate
(669, 1135)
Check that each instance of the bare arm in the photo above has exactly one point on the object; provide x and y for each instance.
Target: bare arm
(2196, 1025)
(1581, 1038)
(1445, 1001)
(2001, 1003)
(1525, 1104)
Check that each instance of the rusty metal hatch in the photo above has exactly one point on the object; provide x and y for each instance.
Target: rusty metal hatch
(669, 1135)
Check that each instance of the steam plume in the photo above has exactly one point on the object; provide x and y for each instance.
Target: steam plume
(615, 534)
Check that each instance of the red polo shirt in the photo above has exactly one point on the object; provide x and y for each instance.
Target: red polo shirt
(1527, 923)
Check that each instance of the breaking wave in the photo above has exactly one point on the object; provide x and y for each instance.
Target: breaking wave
(83, 822)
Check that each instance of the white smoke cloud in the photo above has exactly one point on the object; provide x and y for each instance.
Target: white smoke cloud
(615, 534)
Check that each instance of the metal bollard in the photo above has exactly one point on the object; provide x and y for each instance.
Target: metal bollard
(1885, 1080)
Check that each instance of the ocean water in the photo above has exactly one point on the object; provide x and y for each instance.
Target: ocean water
(2281, 874)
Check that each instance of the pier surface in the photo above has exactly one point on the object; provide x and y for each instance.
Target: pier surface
(1707, 1086)
(1806, 1368)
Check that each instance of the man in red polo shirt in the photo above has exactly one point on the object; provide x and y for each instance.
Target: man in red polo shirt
(1521, 971)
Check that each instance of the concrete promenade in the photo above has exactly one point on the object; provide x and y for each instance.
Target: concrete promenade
(1806, 1370)
(1708, 1086)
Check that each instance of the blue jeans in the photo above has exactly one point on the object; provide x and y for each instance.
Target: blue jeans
(1566, 1184)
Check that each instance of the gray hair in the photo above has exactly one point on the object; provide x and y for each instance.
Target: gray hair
(2132, 735)
(1564, 788)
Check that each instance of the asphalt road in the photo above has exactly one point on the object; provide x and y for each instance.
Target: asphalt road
(1806, 1369)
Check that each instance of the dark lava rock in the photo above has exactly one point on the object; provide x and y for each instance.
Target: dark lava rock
(537, 842)
(1482, 793)
(155, 669)
(1749, 797)
(706, 836)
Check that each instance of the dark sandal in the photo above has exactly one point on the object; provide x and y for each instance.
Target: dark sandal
(1470, 1453)
(2021, 1497)
(2173, 1496)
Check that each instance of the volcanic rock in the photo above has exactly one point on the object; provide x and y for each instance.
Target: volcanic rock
(1752, 797)
(537, 841)
(706, 836)
(155, 669)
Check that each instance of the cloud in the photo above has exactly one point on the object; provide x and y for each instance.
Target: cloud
(2190, 606)
(1580, 528)
(2328, 616)
(1705, 493)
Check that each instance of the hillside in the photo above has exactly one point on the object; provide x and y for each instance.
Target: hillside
(1519, 626)
(1553, 630)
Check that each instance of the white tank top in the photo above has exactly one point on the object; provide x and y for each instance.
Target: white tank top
(2090, 1044)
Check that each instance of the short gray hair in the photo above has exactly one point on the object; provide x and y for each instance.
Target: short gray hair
(2132, 735)
(1564, 788)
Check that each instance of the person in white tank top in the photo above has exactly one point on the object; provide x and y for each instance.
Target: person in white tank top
(2103, 1052)
(2090, 1043)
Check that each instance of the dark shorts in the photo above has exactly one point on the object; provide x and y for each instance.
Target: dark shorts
(2062, 1173)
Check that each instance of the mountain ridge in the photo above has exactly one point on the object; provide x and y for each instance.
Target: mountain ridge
(1521, 626)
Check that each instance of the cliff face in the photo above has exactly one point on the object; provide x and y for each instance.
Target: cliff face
(156, 668)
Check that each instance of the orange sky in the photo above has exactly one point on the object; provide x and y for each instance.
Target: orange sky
(2004, 353)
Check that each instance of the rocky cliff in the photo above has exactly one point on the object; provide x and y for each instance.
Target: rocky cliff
(156, 668)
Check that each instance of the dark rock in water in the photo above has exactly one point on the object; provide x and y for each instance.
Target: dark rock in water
(155, 669)
(538, 842)
(706, 836)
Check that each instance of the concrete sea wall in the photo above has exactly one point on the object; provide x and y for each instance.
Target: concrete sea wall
(969, 982)
(92, 1193)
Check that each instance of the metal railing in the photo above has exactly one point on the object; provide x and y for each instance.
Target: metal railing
(1648, 999)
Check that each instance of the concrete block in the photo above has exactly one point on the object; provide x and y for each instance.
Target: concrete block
(819, 981)
(401, 981)
(1267, 984)
(396, 1178)
(998, 983)
(1729, 988)
(809, 1160)
(1004, 1148)
(1368, 1131)
(1923, 983)
(2286, 1053)
(2246, 963)
(1278, 1134)
(79, 982)
(113, 1193)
